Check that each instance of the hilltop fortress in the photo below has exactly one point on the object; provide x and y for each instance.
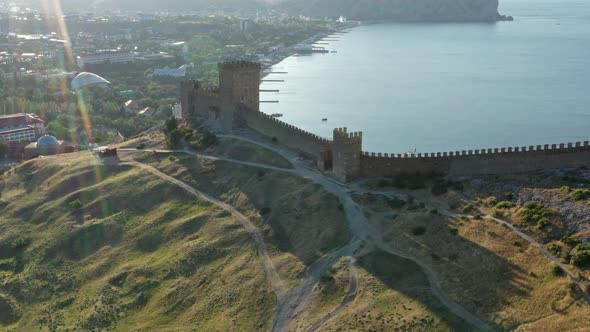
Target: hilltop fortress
(235, 104)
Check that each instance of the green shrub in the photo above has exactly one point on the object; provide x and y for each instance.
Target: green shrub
(418, 230)
(571, 241)
(505, 205)
(554, 249)
(556, 270)
(76, 205)
(581, 194)
(468, 208)
(509, 196)
(565, 189)
(172, 158)
(580, 258)
(20, 242)
(542, 223)
(409, 181)
(533, 212)
(396, 203)
(140, 146)
(491, 201)
(326, 278)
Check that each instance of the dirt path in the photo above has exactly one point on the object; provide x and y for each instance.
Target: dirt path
(433, 204)
(350, 296)
(364, 233)
(292, 303)
(209, 157)
(275, 281)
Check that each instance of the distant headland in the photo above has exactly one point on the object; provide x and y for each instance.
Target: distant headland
(403, 10)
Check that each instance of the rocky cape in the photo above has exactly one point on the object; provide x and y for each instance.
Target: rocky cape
(401, 10)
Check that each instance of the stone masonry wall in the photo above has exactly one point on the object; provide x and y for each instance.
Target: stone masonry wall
(474, 162)
(295, 138)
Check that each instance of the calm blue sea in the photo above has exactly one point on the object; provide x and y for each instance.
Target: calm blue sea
(439, 87)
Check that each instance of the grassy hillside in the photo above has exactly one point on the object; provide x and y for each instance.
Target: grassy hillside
(484, 266)
(300, 221)
(85, 245)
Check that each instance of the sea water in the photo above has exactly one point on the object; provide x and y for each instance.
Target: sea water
(448, 86)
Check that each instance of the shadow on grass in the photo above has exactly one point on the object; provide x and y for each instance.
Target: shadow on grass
(408, 278)
(487, 281)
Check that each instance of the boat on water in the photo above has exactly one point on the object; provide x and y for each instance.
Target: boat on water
(325, 120)
(276, 115)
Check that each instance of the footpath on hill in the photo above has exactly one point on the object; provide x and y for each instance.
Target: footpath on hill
(293, 303)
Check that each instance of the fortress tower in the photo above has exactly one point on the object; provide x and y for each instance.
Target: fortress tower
(346, 154)
(239, 83)
(188, 97)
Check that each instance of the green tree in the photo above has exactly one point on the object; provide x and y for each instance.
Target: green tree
(171, 124)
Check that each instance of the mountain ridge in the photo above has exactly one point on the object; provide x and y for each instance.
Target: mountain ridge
(365, 10)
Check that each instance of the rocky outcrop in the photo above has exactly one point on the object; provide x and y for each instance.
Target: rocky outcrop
(403, 10)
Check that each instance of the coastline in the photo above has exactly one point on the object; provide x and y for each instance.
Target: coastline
(289, 51)
(353, 24)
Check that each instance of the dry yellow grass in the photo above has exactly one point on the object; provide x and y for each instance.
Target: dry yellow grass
(300, 221)
(487, 268)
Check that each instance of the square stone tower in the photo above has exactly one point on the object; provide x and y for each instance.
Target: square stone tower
(188, 97)
(346, 154)
(239, 83)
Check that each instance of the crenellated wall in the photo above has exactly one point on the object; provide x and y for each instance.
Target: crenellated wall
(346, 154)
(293, 137)
(239, 83)
(235, 104)
(473, 162)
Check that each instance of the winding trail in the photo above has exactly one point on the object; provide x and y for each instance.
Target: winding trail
(432, 204)
(275, 281)
(294, 302)
(362, 232)
(348, 298)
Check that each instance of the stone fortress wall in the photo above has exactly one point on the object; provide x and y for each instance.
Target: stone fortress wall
(474, 162)
(308, 144)
(235, 104)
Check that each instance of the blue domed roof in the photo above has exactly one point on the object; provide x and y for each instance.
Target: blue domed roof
(47, 141)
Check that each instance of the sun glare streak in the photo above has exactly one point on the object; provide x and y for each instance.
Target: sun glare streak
(63, 31)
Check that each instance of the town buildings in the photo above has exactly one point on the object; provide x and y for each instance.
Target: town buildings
(21, 127)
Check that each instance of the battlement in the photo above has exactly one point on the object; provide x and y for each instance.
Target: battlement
(342, 134)
(553, 148)
(233, 65)
(292, 128)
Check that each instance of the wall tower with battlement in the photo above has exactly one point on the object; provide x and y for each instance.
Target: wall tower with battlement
(239, 83)
(188, 97)
(346, 154)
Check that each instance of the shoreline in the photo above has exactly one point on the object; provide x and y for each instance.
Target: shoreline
(356, 23)
(311, 40)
